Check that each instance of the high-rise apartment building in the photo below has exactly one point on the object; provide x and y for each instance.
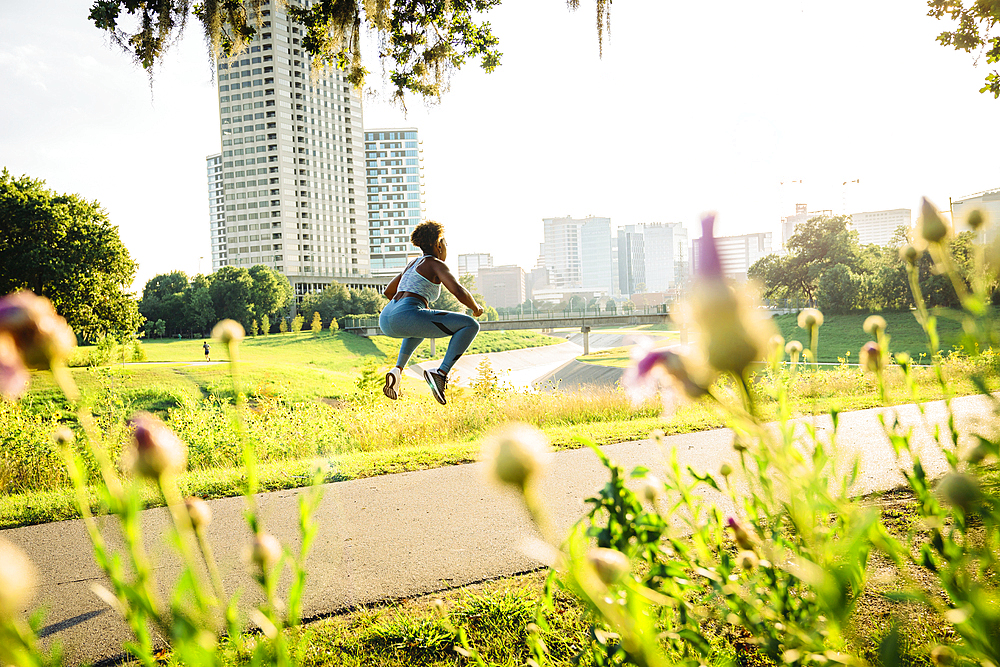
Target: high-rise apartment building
(878, 226)
(736, 253)
(292, 188)
(577, 253)
(394, 180)
(471, 263)
(216, 209)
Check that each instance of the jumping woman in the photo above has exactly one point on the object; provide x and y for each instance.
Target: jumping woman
(408, 315)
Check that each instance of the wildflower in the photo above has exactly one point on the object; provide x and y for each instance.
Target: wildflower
(810, 319)
(40, 335)
(726, 470)
(13, 374)
(976, 219)
(63, 436)
(932, 228)
(874, 324)
(156, 450)
(228, 331)
(611, 565)
(960, 490)
(17, 580)
(199, 511)
(265, 551)
(516, 454)
(871, 356)
(740, 534)
(909, 254)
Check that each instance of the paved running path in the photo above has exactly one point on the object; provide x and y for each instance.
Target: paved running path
(403, 535)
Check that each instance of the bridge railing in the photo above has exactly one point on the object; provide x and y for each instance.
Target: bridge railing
(573, 316)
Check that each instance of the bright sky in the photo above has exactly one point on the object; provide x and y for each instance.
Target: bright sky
(694, 106)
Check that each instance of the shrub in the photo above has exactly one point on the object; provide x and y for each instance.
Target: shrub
(297, 323)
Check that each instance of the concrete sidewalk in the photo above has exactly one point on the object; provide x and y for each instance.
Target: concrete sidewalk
(409, 534)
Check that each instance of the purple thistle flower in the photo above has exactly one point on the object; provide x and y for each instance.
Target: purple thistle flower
(709, 265)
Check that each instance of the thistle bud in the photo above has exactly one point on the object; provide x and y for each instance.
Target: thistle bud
(14, 376)
(63, 437)
(871, 356)
(228, 331)
(960, 490)
(810, 319)
(17, 580)
(156, 451)
(976, 220)
(747, 560)
(740, 535)
(41, 336)
(793, 348)
(265, 551)
(516, 454)
(932, 228)
(611, 565)
(651, 488)
(199, 511)
(909, 254)
(726, 470)
(874, 325)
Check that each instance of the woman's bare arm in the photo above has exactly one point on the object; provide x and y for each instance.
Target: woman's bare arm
(390, 289)
(448, 279)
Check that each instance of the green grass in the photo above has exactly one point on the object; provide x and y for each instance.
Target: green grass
(842, 336)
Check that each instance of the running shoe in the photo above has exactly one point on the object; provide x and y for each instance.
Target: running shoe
(437, 382)
(392, 381)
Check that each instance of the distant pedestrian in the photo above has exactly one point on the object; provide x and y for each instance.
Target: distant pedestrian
(207, 348)
(408, 316)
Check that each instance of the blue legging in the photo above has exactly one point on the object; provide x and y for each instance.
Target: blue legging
(408, 319)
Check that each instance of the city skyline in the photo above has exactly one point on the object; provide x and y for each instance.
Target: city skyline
(744, 122)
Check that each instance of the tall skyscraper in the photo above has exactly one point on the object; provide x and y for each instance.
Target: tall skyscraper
(394, 178)
(577, 253)
(290, 136)
(652, 257)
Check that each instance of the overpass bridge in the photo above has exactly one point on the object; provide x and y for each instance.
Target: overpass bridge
(544, 321)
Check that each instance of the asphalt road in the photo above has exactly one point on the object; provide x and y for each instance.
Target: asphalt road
(409, 534)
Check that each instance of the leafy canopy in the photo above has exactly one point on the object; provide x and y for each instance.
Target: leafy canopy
(65, 248)
(975, 29)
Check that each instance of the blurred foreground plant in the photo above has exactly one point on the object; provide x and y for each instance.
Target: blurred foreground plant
(773, 549)
(199, 610)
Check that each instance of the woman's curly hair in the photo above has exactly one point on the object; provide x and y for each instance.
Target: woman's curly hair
(426, 235)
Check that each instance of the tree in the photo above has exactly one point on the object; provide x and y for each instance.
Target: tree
(333, 302)
(424, 41)
(297, 323)
(815, 246)
(265, 325)
(163, 298)
(367, 302)
(317, 323)
(230, 292)
(270, 291)
(974, 30)
(65, 248)
(839, 290)
(198, 307)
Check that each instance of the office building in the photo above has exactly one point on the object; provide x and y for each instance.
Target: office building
(471, 263)
(878, 226)
(988, 202)
(652, 258)
(577, 253)
(736, 253)
(292, 189)
(802, 215)
(395, 186)
(502, 286)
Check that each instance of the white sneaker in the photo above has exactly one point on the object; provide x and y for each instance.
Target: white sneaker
(392, 382)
